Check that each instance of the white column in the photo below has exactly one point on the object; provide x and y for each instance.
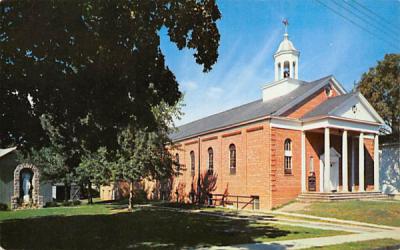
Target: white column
(291, 75)
(353, 164)
(361, 163)
(376, 163)
(303, 162)
(276, 72)
(327, 163)
(345, 186)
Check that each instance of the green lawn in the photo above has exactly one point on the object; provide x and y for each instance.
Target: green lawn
(103, 226)
(363, 245)
(377, 212)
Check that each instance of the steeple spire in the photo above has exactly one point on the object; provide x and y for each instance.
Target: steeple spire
(286, 23)
(286, 57)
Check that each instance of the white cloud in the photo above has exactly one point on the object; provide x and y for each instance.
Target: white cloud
(189, 85)
(214, 92)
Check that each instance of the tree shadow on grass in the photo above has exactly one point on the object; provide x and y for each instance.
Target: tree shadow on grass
(141, 229)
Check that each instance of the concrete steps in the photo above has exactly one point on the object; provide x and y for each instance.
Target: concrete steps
(326, 197)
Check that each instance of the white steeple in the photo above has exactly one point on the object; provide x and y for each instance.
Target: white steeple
(286, 70)
(286, 58)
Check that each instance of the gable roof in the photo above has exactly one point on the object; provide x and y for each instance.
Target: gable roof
(332, 106)
(329, 106)
(253, 110)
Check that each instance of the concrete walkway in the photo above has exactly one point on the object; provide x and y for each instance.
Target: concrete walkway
(361, 231)
(320, 241)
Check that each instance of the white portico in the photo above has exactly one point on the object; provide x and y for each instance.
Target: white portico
(350, 128)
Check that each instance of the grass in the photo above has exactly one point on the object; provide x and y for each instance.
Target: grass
(105, 226)
(56, 211)
(377, 212)
(363, 245)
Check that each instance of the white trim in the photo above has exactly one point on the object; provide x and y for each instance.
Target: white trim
(361, 169)
(345, 184)
(274, 83)
(338, 86)
(353, 163)
(327, 159)
(285, 123)
(333, 122)
(370, 108)
(369, 136)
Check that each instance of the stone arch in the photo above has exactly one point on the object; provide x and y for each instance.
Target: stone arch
(36, 198)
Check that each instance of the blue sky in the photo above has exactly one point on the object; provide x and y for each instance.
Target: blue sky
(251, 31)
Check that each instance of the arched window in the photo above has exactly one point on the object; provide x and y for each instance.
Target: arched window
(232, 159)
(178, 166)
(192, 163)
(286, 69)
(210, 161)
(288, 156)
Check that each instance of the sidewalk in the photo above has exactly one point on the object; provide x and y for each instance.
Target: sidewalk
(321, 241)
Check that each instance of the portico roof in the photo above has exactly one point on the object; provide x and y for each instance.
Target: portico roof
(349, 106)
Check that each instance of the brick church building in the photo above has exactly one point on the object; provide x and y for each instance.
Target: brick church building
(300, 137)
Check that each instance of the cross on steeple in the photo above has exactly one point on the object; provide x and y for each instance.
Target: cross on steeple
(286, 23)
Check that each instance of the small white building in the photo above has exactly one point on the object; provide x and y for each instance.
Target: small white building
(390, 168)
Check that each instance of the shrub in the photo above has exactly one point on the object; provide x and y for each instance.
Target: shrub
(51, 204)
(76, 202)
(66, 203)
(3, 207)
(71, 203)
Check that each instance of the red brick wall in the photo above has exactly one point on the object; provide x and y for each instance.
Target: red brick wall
(285, 187)
(369, 164)
(309, 104)
(252, 162)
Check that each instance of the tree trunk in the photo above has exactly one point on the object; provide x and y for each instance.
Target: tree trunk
(90, 199)
(130, 206)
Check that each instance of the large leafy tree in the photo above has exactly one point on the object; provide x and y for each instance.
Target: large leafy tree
(381, 86)
(142, 154)
(91, 69)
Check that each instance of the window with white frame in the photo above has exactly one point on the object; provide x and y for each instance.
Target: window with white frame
(288, 157)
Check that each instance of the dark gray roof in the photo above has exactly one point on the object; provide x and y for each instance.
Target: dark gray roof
(250, 111)
(328, 107)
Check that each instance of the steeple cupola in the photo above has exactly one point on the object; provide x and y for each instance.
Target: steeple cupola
(286, 58)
